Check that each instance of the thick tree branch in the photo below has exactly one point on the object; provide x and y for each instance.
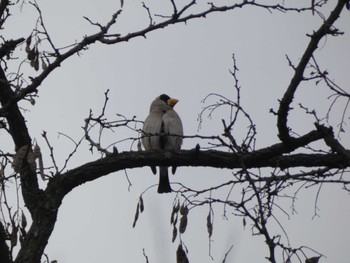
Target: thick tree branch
(128, 160)
(4, 249)
(20, 136)
(3, 6)
(277, 155)
(32, 247)
(8, 46)
(325, 29)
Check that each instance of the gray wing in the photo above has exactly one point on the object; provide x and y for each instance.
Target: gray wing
(172, 125)
(151, 126)
(154, 125)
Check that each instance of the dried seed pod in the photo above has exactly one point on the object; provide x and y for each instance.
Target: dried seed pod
(174, 234)
(175, 219)
(18, 158)
(183, 209)
(177, 207)
(181, 256)
(14, 236)
(36, 63)
(43, 64)
(139, 148)
(41, 168)
(32, 63)
(27, 49)
(183, 224)
(141, 204)
(136, 215)
(2, 172)
(313, 259)
(31, 54)
(23, 221)
(174, 213)
(36, 52)
(172, 217)
(36, 151)
(29, 40)
(209, 224)
(32, 101)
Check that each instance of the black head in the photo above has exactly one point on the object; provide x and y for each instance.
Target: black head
(164, 98)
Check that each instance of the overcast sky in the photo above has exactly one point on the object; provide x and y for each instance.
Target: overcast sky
(186, 62)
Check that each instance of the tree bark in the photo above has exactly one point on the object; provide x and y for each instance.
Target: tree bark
(20, 136)
(5, 256)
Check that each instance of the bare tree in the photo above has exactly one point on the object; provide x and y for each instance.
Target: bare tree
(260, 189)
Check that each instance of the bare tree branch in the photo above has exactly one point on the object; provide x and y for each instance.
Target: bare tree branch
(21, 137)
(284, 108)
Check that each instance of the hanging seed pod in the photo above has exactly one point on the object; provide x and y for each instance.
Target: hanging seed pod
(183, 224)
(36, 52)
(14, 236)
(29, 40)
(32, 63)
(136, 215)
(43, 64)
(181, 256)
(139, 147)
(183, 209)
(36, 151)
(174, 213)
(21, 236)
(31, 54)
(209, 224)
(41, 168)
(174, 234)
(175, 219)
(18, 158)
(36, 63)
(32, 101)
(23, 221)
(37, 155)
(2, 173)
(312, 260)
(141, 204)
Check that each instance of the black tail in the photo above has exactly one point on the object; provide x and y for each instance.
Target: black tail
(164, 184)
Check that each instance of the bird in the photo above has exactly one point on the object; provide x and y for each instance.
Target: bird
(162, 130)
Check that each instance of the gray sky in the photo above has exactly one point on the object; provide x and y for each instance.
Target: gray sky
(186, 62)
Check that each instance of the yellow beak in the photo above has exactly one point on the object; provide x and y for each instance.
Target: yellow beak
(171, 102)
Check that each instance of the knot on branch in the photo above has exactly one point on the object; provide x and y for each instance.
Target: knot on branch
(328, 135)
(325, 131)
(8, 46)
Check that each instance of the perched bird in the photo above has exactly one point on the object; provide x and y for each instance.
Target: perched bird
(162, 130)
